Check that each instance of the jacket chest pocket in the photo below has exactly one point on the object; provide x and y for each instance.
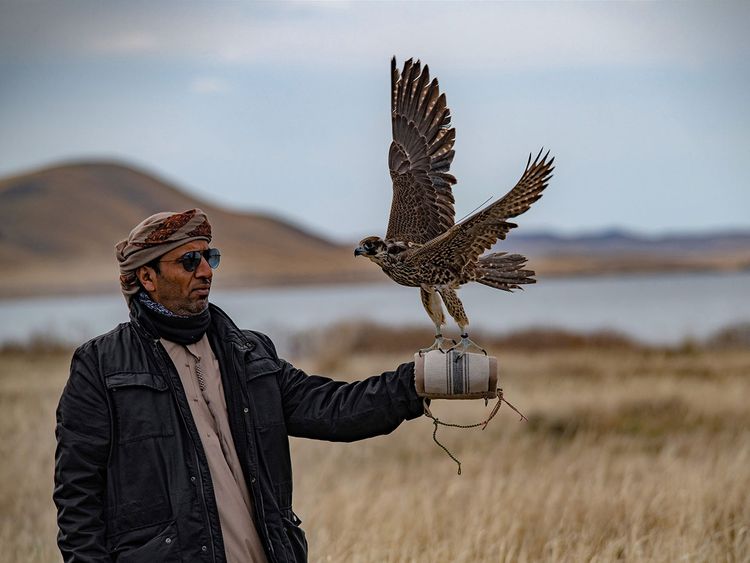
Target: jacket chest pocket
(143, 406)
(264, 393)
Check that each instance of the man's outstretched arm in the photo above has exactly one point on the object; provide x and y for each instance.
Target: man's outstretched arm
(318, 407)
(321, 408)
(80, 464)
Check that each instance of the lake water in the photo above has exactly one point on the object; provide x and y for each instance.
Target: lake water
(660, 309)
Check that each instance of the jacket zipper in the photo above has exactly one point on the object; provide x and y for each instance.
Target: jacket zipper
(249, 427)
(159, 355)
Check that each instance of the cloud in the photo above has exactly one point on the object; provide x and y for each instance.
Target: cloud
(208, 85)
(508, 35)
(125, 43)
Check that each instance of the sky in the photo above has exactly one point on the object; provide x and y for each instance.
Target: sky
(284, 107)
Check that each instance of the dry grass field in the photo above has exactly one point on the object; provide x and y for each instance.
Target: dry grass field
(630, 453)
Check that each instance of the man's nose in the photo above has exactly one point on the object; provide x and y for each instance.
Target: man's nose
(203, 270)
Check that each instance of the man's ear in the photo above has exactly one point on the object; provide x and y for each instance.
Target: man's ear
(147, 277)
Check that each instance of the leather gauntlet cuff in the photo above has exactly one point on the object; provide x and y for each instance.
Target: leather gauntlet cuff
(455, 375)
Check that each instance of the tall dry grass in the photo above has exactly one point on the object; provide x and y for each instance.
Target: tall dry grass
(631, 453)
(31, 380)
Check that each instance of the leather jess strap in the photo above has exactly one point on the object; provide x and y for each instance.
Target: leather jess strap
(457, 375)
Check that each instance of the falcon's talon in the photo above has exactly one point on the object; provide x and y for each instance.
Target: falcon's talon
(437, 345)
(465, 344)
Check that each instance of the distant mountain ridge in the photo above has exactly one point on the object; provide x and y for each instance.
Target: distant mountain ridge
(58, 227)
(620, 252)
(615, 240)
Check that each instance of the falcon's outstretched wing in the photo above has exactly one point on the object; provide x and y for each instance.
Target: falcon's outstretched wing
(420, 156)
(463, 243)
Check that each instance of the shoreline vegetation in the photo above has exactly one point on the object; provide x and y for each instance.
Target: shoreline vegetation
(365, 337)
(632, 452)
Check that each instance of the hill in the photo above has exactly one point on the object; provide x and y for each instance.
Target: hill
(58, 227)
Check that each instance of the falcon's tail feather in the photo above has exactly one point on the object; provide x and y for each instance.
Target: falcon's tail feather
(503, 271)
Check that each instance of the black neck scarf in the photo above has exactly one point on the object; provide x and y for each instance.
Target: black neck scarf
(161, 321)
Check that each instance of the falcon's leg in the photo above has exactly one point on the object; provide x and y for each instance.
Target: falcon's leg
(434, 308)
(456, 310)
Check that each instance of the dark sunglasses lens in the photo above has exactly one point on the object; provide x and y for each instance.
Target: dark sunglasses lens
(213, 257)
(190, 260)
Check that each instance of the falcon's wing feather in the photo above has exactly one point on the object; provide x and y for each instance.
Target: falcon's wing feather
(420, 156)
(466, 241)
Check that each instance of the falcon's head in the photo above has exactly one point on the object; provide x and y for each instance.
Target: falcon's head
(372, 247)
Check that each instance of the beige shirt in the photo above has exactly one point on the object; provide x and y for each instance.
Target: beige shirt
(201, 379)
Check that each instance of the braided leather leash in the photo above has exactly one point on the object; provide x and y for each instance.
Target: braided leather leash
(437, 422)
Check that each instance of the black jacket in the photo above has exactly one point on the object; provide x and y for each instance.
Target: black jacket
(131, 477)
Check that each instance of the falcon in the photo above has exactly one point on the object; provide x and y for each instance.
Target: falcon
(423, 246)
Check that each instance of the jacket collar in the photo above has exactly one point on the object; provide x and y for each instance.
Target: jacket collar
(226, 331)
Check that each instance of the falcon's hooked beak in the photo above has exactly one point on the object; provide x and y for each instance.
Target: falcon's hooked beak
(369, 247)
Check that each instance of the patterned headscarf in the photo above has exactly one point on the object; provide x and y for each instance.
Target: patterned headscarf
(154, 237)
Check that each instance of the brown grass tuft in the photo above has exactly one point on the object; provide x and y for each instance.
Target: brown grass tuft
(733, 337)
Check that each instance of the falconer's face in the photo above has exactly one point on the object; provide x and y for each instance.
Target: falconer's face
(180, 291)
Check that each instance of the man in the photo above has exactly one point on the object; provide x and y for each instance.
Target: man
(172, 431)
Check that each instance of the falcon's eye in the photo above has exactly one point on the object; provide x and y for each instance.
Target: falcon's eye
(368, 245)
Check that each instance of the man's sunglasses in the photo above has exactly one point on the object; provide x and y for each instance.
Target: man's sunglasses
(191, 260)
